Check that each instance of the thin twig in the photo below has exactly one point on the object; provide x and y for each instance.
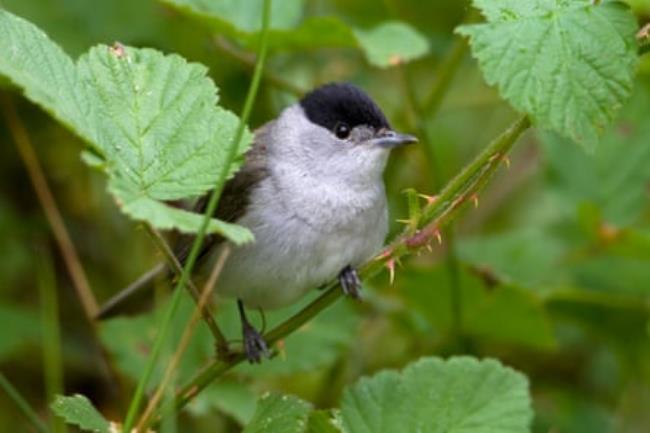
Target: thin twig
(446, 71)
(22, 404)
(172, 260)
(185, 338)
(52, 213)
(198, 240)
(61, 235)
(248, 60)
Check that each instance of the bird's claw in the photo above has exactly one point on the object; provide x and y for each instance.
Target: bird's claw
(255, 347)
(350, 282)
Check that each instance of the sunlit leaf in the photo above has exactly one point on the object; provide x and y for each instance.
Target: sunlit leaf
(436, 396)
(151, 118)
(279, 414)
(385, 45)
(569, 64)
(78, 410)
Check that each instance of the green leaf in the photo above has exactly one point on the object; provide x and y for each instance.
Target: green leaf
(151, 118)
(47, 75)
(279, 414)
(243, 16)
(386, 45)
(496, 312)
(78, 410)
(432, 395)
(321, 421)
(568, 64)
(232, 398)
(615, 178)
(392, 43)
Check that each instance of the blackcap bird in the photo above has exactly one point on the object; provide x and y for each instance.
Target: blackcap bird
(312, 193)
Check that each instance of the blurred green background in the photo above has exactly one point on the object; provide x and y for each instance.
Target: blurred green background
(550, 273)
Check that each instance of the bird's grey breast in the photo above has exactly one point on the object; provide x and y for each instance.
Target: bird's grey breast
(306, 230)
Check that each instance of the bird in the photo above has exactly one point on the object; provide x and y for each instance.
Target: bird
(311, 191)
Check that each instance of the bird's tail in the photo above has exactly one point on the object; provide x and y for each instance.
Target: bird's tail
(128, 298)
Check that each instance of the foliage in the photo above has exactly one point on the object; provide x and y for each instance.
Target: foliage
(77, 410)
(543, 265)
(388, 44)
(548, 59)
(150, 118)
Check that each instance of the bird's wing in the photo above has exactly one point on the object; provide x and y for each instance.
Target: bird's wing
(235, 196)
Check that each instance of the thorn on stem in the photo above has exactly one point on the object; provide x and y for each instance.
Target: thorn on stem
(438, 236)
(474, 199)
(390, 264)
(384, 254)
(430, 199)
(506, 161)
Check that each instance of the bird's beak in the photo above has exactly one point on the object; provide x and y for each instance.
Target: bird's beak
(389, 139)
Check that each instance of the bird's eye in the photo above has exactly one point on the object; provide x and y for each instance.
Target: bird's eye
(342, 130)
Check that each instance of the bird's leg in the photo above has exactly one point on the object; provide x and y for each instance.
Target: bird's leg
(254, 345)
(350, 282)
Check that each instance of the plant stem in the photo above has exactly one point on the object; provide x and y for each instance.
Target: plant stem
(198, 241)
(248, 60)
(163, 246)
(185, 339)
(61, 234)
(435, 215)
(22, 404)
(51, 333)
(424, 112)
(52, 213)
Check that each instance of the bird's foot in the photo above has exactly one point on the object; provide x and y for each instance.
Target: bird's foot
(255, 347)
(350, 282)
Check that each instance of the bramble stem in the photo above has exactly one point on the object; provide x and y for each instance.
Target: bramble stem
(198, 241)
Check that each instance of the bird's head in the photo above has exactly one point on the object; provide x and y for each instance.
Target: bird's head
(337, 130)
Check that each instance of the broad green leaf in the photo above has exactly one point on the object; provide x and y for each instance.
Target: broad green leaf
(78, 410)
(280, 414)
(568, 64)
(431, 395)
(392, 43)
(493, 312)
(615, 178)
(530, 256)
(160, 131)
(228, 396)
(152, 120)
(388, 44)
(321, 421)
(47, 75)
(243, 16)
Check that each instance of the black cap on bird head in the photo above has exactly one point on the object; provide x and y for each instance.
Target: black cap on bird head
(342, 102)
